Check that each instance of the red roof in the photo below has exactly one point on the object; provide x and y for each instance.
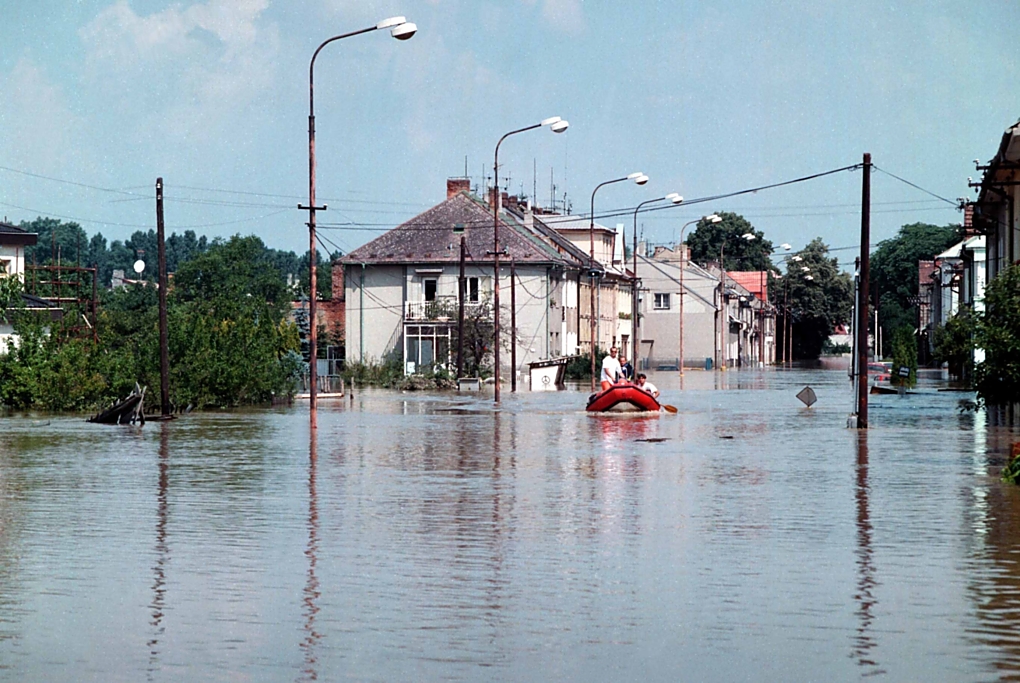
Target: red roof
(754, 281)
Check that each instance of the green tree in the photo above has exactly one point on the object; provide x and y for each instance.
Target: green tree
(233, 269)
(954, 344)
(817, 306)
(904, 355)
(894, 271)
(997, 379)
(738, 253)
(56, 239)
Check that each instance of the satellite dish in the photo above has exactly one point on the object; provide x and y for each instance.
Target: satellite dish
(139, 266)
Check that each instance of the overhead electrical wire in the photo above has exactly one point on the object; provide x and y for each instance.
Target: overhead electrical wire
(917, 187)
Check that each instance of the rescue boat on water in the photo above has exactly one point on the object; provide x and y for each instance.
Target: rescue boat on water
(622, 397)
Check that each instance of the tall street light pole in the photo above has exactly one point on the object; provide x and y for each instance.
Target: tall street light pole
(640, 179)
(556, 125)
(401, 29)
(675, 198)
(711, 218)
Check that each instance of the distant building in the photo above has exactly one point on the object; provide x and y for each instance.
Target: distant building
(401, 288)
(993, 214)
(732, 325)
(13, 241)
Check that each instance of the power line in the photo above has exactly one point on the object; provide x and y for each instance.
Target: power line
(916, 187)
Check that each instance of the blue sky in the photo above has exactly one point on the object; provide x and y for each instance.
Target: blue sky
(704, 97)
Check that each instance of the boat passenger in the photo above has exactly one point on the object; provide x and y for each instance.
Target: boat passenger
(626, 369)
(611, 370)
(644, 384)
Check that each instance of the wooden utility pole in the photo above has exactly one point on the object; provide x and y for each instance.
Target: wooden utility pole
(461, 287)
(862, 299)
(513, 326)
(164, 350)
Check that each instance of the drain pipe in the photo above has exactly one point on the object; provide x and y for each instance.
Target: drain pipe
(361, 317)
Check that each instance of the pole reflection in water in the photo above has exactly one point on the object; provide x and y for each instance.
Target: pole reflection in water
(311, 592)
(864, 642)
(162, 549)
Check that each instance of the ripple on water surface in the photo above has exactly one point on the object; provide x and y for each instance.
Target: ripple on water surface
(435, 537)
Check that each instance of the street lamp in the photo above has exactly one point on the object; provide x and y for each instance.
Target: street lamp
(556, 125)
(710, 219)
(640, 179)
(401, 29)
(749, 236)
(675, 198)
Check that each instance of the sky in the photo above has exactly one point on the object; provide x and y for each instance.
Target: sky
(98, 98)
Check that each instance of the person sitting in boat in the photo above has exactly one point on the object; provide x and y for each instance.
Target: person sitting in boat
(611, 370)
(644, 384)
(626, 369)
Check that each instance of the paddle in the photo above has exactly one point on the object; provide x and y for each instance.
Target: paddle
(669, 409)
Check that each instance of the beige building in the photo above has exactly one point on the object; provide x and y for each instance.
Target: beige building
(401, 289)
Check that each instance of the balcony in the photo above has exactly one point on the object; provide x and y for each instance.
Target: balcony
(443, 309)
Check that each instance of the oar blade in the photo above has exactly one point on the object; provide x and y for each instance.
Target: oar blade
(669, 409)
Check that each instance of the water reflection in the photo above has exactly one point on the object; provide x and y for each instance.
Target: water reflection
(158, 604)
(995, 517)
(311, 591)
(864, 642)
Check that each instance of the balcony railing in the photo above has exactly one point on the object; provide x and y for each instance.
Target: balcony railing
(442, 309)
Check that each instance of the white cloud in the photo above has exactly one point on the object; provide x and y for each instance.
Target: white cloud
(194, 65)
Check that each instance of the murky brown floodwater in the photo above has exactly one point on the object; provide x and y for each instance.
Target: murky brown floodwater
(429, 537)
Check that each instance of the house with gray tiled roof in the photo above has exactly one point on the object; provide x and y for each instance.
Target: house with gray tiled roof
(13, 241)
(402, 287)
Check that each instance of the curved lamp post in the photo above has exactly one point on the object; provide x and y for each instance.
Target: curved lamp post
(711, 218)
(675, 198)
(401, 29)
(640, 179)
(556, 125)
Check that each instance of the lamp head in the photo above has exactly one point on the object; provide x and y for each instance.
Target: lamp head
(391, 22)
(641, 179)
(796, 258)
(786, 247)
(550, 121)
(674, 197)
(749, 236)
(559, 126)
(713, 218)
(805, 269)
(808, 277)
(404, 31)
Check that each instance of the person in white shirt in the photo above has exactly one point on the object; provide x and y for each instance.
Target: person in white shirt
(644, 384)
(611, 371)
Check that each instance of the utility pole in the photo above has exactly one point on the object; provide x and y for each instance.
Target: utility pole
(720, 314)
(461, 286)
(164, 350)
(513, 325)
(862, 305)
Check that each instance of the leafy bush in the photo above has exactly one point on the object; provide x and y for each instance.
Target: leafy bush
(954, 344)
(997, 379)
(904, 354)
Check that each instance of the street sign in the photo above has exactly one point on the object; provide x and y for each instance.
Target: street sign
(904, 371)
(807, 396)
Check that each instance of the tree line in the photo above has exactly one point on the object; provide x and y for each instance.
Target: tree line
(69, 244)
(231, 340)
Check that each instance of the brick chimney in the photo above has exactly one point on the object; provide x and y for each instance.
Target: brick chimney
(338, 281)
(457, 185)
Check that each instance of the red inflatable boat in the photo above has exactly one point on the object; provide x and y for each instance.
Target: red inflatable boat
(621, 397)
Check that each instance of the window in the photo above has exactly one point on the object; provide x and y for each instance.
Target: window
(430, 289)
(472, 290)
(5, 267)
(661, 302)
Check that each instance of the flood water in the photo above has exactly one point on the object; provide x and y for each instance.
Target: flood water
(431, 537)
